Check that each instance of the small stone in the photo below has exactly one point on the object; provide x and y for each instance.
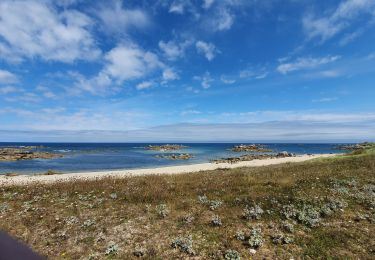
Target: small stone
(252, 251)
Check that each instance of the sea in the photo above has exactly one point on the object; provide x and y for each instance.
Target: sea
(91, 157)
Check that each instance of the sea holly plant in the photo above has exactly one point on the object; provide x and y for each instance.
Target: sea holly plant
(232, 255)
(254, 212)
(216, 221)
(162, 210)
(255, 238)
(212, 204)
(184, 244)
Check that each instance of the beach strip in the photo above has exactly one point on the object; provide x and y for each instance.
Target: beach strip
(192, 168)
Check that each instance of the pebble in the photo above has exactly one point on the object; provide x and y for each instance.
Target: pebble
(253, 251)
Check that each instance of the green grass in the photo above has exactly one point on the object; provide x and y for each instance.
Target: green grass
(38, 214)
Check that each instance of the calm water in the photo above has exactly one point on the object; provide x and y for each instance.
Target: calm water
(97, 157)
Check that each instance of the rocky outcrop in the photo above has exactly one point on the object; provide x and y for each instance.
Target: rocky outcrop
(249, 148)
(250, 157)
(24, 153)
(165, 147)
(353, 147)
(183, 156)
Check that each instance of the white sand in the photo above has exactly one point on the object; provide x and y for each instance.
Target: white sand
(29, 179)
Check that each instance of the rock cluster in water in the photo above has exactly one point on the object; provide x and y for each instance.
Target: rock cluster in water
(165, 147)
(183, 156)
(250, 157)
(353, 147)
(24, 153)
(249, 148)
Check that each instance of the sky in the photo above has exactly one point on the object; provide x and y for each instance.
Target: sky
(191, 70)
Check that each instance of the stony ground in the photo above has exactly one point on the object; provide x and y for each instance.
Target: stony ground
(319, 209)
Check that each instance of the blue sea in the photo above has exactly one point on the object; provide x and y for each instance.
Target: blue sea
(87, 157)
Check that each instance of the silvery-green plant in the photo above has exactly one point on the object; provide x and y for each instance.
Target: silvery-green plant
(309, 215)
(185, 244)
(252, 212)
(71, 220)
(162, 210)
(232, 255)
(280, 239)
(113, 196)
(288, 227)
(88, 223)
(215, 204)
(212, 204)
(216, 221)
(4, 207)
(255, 239)
(240, 235)
(112, 249)
(203, 199)
(188, 219)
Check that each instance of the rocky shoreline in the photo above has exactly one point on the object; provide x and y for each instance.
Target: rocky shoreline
(183, 156)
(249, 148)
(250, 157)
(354, 147)
(25, 153)
(165, 147)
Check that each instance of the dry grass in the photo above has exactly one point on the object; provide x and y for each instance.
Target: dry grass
(121, 218)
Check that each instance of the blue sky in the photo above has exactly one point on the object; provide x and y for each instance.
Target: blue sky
(192, 70)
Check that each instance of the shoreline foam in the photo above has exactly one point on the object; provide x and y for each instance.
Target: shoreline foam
(180, 169)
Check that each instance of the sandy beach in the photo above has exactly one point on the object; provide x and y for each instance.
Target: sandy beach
(30, 179)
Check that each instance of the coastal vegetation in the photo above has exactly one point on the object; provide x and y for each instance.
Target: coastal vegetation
(319, 209)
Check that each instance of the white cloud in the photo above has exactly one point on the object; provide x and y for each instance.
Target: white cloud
(117, 19)
(67, 3)
(97, 85)
(305, 63)
(46, 92)
(325, 27)
(262, 76)
(254, 73)
(205, 80)
(169, 74)
(227, 80)
(221, 21)
(207, 3)
(325, 99)
(324, 74)
(190, 112)
(31, 29)
(126, 62)
(26, 97)
(7, 77)
(57, 118)
(177, 7)
(207, 49)
(8, 89)
(173, 50)
(144, 85)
